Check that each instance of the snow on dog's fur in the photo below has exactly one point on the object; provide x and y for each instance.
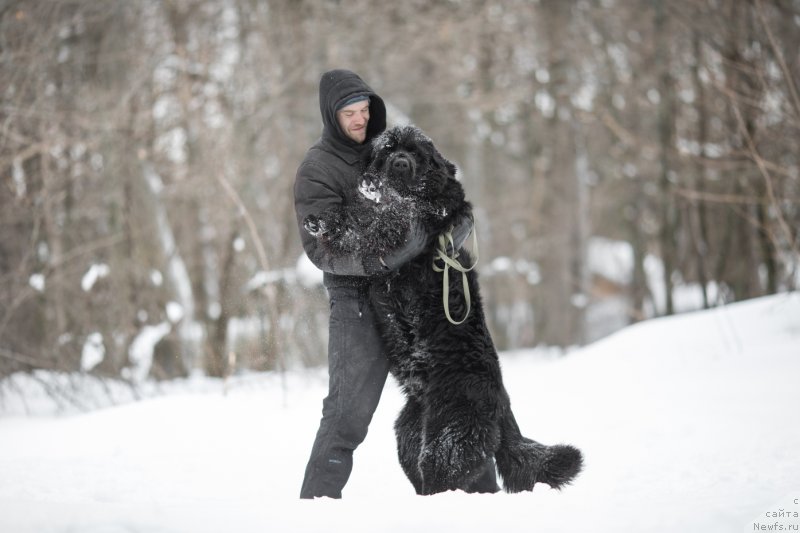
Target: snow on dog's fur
(457, 412)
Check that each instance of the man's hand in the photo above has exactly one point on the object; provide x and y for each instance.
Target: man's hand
(460, 233)
(416, 242)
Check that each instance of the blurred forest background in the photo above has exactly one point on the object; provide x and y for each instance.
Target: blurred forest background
(627, 159)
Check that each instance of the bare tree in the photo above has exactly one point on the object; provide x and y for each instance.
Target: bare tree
(148, 151)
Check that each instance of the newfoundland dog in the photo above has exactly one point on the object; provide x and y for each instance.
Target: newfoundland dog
(457, 414)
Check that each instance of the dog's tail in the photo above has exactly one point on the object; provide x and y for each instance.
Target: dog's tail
(523, 462)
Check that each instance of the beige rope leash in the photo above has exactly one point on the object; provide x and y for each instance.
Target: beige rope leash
(452, 262)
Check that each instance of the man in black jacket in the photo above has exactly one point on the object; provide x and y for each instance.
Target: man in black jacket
(329, 176)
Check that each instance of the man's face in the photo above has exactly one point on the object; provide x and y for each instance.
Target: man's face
(353, 120)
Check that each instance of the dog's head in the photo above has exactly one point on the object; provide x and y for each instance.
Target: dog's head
(410, 162)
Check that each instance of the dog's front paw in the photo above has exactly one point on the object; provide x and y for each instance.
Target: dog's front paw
(315, 226)
(370, 188)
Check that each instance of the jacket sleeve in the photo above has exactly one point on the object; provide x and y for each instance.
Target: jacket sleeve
(314, 194)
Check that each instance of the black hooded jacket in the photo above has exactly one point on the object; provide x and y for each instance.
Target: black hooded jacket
(330, 173)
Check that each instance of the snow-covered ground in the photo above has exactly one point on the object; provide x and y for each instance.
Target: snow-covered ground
(690, 423)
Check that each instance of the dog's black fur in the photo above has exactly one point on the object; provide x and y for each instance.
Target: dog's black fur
(457, 412)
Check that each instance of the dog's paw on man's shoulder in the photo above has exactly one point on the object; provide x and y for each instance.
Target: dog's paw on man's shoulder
(315, 226)
(370, 187)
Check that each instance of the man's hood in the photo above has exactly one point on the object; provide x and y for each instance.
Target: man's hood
(337, 86)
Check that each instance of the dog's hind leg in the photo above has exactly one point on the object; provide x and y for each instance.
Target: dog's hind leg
(459, 438)
(408, 431)
(486, 482)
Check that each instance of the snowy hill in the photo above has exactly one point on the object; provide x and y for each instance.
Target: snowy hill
(687, 424)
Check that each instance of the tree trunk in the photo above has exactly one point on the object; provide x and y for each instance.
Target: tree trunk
(697, 208)
(216, 355)
(666, 117)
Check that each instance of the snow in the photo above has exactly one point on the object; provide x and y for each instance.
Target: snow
(93, 352)
(142, 349)
(687, 423)
(613, 260)
(18, 175)
(174, 312)
(545, 103)
(37, 281)
(307, 273)
(502, 264)
(95, 272)
(156, 278)
(584, 98)
(304, 272)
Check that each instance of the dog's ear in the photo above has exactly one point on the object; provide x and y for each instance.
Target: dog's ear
(443, 164)
(451, 169)
(382, 147)
(379, 154)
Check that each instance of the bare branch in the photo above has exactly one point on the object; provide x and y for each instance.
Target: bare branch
(767, 180)
(787, 75)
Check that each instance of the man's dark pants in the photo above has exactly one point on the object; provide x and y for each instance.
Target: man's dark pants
(357, 369)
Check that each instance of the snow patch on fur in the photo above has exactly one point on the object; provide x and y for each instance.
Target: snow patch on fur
(370, 191)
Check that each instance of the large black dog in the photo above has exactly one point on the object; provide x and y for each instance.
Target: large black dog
(457, 412)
